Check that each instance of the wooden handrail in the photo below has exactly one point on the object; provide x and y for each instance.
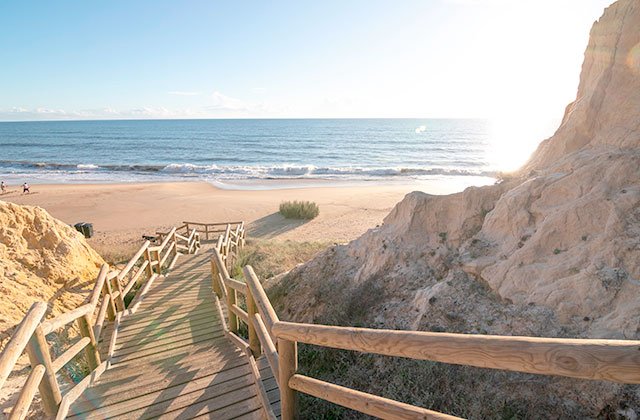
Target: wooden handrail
(97, 288)
(28, 391)
(19, 340)
(70, 353)
(373, 405)
(611, 360)
(268, 346)
(236, 285)
(213, 224)
(135, 278)
(133, 260)
(65, 318)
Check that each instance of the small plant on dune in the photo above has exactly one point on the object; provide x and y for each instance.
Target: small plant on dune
(306, 210)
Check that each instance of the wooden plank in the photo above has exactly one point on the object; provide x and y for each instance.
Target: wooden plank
(248, 408)
(110, 389)
(28, 391)
(168, 342)
(168, 310)
(192, 358)
(611, 360)
(155, 353)
(373, 405)
(178, 397)
(137, 397)
(170, 327)
(160, 336)
(19, 340)
(219, 407)
(178, 317)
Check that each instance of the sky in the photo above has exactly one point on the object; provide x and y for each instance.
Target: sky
(507, 60)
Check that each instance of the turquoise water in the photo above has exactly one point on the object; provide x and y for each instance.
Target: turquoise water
(241, 150)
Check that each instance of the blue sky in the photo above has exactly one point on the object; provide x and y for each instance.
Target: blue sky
(205, 59)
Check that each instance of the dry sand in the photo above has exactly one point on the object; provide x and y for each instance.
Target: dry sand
(122, 213)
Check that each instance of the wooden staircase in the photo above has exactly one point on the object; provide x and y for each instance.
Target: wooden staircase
(172, 358)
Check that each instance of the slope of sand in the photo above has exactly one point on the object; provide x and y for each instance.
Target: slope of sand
(122, 213)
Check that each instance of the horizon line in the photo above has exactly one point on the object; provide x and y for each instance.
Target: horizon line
(243, 118)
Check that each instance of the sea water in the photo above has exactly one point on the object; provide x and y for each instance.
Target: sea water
(245, 150)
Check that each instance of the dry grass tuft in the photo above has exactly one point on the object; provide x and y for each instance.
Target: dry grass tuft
(306, 210)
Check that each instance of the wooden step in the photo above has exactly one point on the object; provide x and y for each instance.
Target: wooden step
(138, 396)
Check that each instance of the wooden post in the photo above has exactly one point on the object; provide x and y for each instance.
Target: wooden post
(215, 282)
(91, 351)
(254, 341)
(120, 300)
(158, 267)
(38, 351)
(107, 293)
(288, 355)
(147, 257)
(233, 318)
(175, 243)
(206, 232)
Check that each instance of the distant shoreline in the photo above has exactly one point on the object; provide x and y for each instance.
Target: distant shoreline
(439, 184)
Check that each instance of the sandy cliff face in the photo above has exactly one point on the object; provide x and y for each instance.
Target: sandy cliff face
(553, 251)
(41, 259)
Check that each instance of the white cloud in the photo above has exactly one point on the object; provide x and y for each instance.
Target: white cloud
(227, 103)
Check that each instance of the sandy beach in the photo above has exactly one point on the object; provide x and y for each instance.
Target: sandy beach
(122, 213)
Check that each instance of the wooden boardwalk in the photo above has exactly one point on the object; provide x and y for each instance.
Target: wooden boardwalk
(197, 343)
(172, 359)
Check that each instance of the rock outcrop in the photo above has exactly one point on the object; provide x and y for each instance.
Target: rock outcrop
(41, 259)
(553, 250)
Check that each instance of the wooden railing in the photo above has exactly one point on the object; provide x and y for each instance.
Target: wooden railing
(609, 360)
(210, 231)
(106, 303)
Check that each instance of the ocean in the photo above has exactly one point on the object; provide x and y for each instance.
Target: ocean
(225, 152)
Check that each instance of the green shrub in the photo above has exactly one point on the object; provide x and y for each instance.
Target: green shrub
(299, 210)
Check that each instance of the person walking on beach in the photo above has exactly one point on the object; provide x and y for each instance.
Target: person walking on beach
(25, 188)
(3, 187)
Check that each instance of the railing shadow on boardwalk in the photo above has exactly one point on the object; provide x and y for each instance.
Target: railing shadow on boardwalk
(272, 225)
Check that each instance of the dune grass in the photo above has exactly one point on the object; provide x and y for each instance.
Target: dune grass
(305, 210)
(270, 258)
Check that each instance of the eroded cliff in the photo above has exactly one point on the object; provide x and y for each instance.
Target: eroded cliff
(552, 251)
(41, 259)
